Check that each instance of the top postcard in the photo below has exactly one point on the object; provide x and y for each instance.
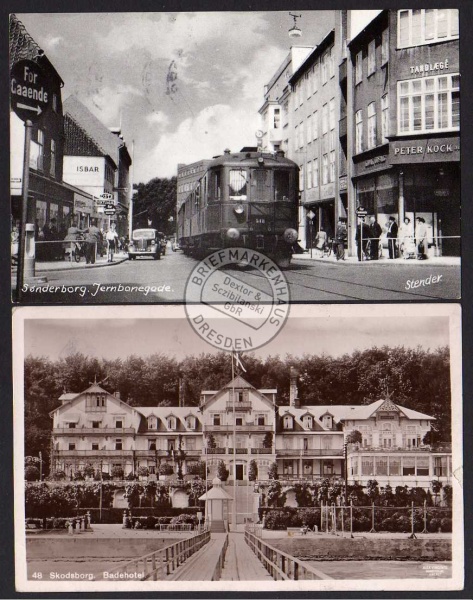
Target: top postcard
(225, 150)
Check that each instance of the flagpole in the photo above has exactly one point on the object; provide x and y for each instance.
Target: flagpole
(234, 443)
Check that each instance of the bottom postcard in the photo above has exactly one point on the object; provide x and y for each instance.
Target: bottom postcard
(161, 449)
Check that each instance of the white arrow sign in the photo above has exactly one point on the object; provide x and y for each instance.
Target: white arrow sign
(36, 109)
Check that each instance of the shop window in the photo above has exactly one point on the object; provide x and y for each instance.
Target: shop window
(426, 26)
(371, 57)
(385, 47)
(358, 68)
(358, 131)
(372, 125)
(429, 104)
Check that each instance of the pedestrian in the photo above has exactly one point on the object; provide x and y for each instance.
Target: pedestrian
(112, 237)
(50, 234)
(73, 235)
(15, 243)
(392, 231)
(374, 231)
(421, 238)
(321, 241)
(406, 239)
(92, 239)
(340, 238)
(361, 238)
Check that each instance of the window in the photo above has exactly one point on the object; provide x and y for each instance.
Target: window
(331, 62)
(152, 423)
(190, 443)
(315, 79)
(394, 465)
(281, 185)
(52, 164)
(367, 465)
(72, 446)
(325, 169)
(301, 178)
(216, 420)
(358, 68)
(171, 423)
(239, 421)
(332, 166)
(95, 424)
(371, 57)
(95, 446)
(40, 159)
(307, 84)
(190, 421)
(316, 173)
(72, 425)
(381, 465)
(422, 465)
(118, 444)
(96, 403)
(260, 420)
(324, 119)
(54, 103)
(216, 184)
(385, 47)
(277, 118)
(309, 175)
(426, 26)
(309, 129)
(305, 444)
(429, 104)
(287, 422)
(119, 424)
(408, 465)
(316, 125)
(372, 125)
(358, 131)
(301, 135)
(385, 117)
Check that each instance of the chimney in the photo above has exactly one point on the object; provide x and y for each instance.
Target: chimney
(117, 395)
(293, 393)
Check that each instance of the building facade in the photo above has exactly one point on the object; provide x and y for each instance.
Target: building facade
(96, 160)
(404, 138)
(239, 424)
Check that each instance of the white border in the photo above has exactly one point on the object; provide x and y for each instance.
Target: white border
(452, 311)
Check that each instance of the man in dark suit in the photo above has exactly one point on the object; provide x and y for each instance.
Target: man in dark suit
(374, 234)
(361, 238)
(392, 237)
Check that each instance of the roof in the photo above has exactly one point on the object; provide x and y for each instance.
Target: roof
(341, 412)
(313, 56)
(167, 411)
(107, 141)
(68, 396)
(24, 47)
(372, 29)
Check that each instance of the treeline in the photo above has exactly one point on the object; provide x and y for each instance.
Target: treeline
(416, 378)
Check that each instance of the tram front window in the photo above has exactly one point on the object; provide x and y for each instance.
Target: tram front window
(281, 185)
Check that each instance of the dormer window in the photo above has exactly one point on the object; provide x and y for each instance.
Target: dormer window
(190, 422)
(288, 422)
(152, 423)
(171, 421)
(260, 420)
(307, 421)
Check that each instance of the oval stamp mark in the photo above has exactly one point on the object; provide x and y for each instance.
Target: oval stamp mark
(232, 314)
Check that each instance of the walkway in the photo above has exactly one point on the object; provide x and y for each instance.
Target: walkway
(240, 562)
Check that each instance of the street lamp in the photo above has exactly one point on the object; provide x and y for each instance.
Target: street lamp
(295, 32)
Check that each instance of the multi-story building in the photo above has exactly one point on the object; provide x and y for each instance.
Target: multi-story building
(188, 177)
(96, 159)
(404, 138)
(238, 424)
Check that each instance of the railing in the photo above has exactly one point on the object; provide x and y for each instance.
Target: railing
(389, 450)
(118, 453)
(246, 427)
(281, 566)
(314, 452)
(262, 451)
(244, 405)
(92, 430)
(160, 563)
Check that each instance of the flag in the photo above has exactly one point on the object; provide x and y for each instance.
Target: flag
(238, 362)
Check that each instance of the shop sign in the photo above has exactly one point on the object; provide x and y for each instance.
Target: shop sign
(442, 193)
(343, 184)
(426, 150)
(372, 162)
(428, 68)
(83, 204)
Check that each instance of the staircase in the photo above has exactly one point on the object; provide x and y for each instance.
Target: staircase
(217, 527)
(244, 500)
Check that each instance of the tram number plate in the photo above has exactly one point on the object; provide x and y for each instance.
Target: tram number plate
(260, 220)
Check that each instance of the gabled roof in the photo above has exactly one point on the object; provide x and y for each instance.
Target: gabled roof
(67, 396)
(107, 141)
(237, 383)
(93, 389)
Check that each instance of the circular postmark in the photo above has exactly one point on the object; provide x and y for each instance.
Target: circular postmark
(232, 312)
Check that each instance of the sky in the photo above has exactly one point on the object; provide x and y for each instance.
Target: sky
(330, 332)
(123, 67)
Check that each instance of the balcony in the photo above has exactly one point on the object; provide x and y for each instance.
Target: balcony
(262, 451)
(342, 70)
(244, 405)
(354, 448)
(315, 452)
(92, 453)
(251, 428)
(93, 431)
(342, 127)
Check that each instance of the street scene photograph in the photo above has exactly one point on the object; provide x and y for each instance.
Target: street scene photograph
(328, 459)
(327, 140)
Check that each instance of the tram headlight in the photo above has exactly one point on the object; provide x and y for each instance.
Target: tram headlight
(233, 234)
(290, 235)
(239, 210)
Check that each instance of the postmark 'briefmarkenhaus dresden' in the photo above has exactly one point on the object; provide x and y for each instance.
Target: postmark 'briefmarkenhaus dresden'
(258, 310)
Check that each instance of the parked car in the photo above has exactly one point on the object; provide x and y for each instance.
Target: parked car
(144, 242)
(163, 241)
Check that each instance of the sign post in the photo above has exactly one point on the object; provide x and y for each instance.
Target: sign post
(29, 97)
(361, 214)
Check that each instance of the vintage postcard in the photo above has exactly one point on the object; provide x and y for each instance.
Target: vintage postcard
(161, 450)
(329, 141)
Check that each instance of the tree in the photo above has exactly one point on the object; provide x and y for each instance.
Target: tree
(117, 472)
(268, 440)
(31, 473)
(448, 495)
(252, 471)
(436, 486)
(211, 443)
(273, 471)
(372, 489)
(156, 201)
(166, 469)
(222, 472)
(354, 437)
(143, 471)
(89, 470)
(196, 468)
(275, 495)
